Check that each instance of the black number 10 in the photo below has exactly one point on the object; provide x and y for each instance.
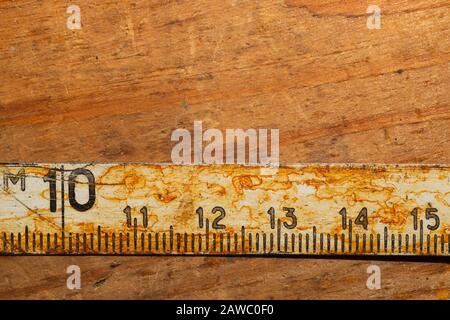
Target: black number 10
(51, 179)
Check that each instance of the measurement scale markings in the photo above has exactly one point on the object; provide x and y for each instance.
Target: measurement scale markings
(142, 209)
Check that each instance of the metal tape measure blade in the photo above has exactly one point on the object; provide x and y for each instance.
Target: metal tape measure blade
(224, 209)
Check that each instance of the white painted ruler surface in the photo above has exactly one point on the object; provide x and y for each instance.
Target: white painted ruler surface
(224, 209)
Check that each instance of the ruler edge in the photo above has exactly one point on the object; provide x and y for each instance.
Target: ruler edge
(330, 255)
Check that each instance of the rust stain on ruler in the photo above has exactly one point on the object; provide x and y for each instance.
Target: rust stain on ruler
(224, 209)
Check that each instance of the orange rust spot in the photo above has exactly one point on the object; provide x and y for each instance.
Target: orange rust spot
(132, 181)
(445, 229)
(166, 198)
(395, 215)
(245, 182)
(87, 227)
(217, 189)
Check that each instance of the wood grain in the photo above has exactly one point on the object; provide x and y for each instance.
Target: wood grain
(115, 90)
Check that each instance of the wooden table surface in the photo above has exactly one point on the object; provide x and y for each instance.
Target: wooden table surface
(137, 70)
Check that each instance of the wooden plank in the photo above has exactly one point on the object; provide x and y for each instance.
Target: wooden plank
(115, 90)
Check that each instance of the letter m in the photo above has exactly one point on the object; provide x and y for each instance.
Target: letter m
(240, 137)
(14, 178)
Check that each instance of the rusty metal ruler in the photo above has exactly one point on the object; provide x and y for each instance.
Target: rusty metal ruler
(166, 209)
